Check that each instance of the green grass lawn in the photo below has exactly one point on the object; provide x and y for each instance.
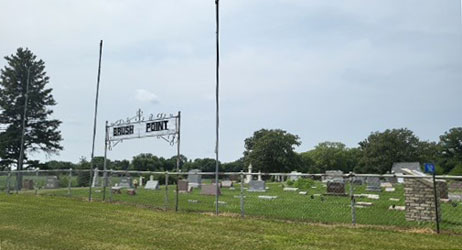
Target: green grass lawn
(46, 222)
(288, 205)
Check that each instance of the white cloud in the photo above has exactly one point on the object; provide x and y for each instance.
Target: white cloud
(143, 95)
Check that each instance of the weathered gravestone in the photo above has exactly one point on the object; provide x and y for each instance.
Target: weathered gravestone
(226, 183)
(333, 175)
(373, 184)
(294, 175)
(152, 184)
(52, 182)
(256, 186)
(194, 178)
(336, 188)
(183, 186)
(210, 189)
(125, 182)
(28, 184)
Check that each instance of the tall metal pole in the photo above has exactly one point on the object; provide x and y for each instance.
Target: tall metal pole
(437, 217)
(96, 114)
(23, 129)
(217, 103)
(105, 162)
(177, 162)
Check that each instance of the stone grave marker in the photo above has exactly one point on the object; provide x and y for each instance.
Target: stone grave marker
(294, 175)
(183, 186)
(226, 184)
(290, 189)
(210, 189)
(267, 197)
(336, 188)
(257, 186)
(28, 184)
(152, 184)
(194, 178)
(333, 175)
(373, 184)
(125, 182)
(52, 182)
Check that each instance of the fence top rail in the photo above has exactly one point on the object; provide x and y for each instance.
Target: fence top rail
(347, 175)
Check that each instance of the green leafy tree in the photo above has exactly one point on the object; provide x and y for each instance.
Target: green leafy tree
(333, 156)
(148, 162)
(451, 149)
(234, 166)
(381, 149)
(205, 165)
(272, 151)
(41, 132)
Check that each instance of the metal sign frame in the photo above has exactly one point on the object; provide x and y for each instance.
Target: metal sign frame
(169, 135)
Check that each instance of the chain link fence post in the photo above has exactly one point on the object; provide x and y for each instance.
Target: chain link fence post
(353, 200)
(16, 187)
(8, 183)
(90, 182)
(437, 216)
(166, 191)
(36, 181)
(176, 193)
(69, 184)
(242, 194)
(110, 186)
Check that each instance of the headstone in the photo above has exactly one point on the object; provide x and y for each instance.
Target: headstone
(210, 189)
(267, 197)
(290, 189)
(183, 186)
(373, 184)
(131, 191)
(336, 188)
(333, 175)
(358, 180)
(194, 178)
(152, 185)
(28, 184)
(364, 203)
(52, 182)
(389, 189)
(226, 184)
(398, 208)
(400, 168)
(294, 176)
(303, 192)
(393, 199)
(259, 175)
(125, 182)
(116, 190)
(386, 185)
(257, 186)
(248, 177)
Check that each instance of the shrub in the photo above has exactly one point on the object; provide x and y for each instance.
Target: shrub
(304, 183)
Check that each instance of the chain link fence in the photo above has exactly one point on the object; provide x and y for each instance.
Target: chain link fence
(393, 201)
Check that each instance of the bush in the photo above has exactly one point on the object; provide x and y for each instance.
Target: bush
(303, 183)
(457, 170)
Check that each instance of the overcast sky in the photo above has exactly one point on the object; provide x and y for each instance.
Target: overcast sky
(324, 70)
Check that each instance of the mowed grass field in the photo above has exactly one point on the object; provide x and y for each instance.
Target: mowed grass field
(287, 205)
(46, 222)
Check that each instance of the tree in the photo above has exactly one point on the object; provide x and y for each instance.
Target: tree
(148, 162)
(332, 156)
(451, 149)
(381, 149)
(41, 132)
(272, 151)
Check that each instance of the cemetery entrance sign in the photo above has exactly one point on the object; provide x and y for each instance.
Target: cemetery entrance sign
(161, 126)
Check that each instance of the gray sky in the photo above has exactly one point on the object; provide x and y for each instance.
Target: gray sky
(324, 70)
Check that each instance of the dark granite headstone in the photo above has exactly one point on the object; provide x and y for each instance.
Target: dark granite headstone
(335, 188)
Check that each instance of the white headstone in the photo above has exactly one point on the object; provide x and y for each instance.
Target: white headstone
(248, 177)
(152, 185)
